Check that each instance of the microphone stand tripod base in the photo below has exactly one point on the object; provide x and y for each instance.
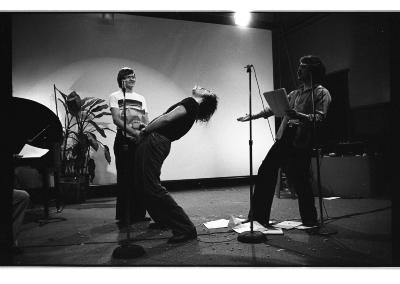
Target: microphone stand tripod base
(128, 251)
(252, 237)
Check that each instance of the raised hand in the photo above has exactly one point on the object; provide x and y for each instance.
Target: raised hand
(244, 118)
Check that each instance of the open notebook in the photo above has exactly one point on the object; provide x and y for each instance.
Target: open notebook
(277, 101)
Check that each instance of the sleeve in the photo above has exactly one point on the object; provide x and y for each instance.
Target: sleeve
(322, 104)
(113, 101)
(190, 105)
(145, 108)
(291, 97)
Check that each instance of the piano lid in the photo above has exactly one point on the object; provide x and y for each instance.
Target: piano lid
(35, 124)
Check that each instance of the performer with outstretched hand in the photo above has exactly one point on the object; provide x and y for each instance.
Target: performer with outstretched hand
(294, 144)
(154, 148)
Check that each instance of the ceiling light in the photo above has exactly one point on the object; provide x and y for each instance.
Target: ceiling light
(242, 18)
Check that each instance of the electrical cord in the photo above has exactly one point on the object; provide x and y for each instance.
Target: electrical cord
(262, 102)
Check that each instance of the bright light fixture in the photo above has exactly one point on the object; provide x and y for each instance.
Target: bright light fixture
(242, 18)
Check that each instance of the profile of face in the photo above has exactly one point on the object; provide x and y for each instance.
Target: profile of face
(198, 91)
(303, 72)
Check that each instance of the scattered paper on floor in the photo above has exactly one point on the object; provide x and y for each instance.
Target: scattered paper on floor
(331, 198)
(273, 231)
(288, 224)
(221, 223)
(237, 220)
(302, 227)
(257, 227)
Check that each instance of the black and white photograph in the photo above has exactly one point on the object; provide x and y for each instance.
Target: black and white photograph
(199, 138)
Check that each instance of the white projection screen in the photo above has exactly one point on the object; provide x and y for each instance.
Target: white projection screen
(80, 52)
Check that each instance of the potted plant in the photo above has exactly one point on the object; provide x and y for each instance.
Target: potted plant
(79, 141)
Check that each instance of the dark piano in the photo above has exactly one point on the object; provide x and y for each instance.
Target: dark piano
(38, 126)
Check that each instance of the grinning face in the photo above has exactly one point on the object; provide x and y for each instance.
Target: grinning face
(130, 81)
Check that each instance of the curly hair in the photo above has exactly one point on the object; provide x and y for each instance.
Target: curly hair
(317, 67)
(125, 71)
(207, 107)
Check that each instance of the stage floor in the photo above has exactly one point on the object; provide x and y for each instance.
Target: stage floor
(89, 235)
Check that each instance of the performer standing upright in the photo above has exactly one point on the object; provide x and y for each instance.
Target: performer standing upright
(294, 143)
(154, 148)
(136, 117)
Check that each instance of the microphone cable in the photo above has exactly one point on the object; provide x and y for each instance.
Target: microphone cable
(262, 102)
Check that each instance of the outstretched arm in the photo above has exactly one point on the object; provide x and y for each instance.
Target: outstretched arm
(265, 113)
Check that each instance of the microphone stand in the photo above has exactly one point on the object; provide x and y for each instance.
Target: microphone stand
(251, 236)
(126, 250)
(322, 229)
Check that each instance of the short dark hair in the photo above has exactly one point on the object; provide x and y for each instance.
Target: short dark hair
(317, 67)
(207, 107)
(122, 74)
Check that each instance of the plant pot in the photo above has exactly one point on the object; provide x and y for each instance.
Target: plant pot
(74, 189)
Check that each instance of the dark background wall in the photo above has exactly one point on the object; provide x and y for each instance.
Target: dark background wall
(356, 50)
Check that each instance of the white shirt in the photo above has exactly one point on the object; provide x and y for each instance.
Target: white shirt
(136, 106)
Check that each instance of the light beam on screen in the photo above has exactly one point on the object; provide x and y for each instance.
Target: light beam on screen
(242, 18)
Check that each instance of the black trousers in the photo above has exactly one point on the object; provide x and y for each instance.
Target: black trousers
(150, 156)
(296, 163)
(125, 164)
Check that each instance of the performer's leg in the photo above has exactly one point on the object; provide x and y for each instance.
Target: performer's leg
(20, 204)
(298, 174)
(265, 183)
(160, 205)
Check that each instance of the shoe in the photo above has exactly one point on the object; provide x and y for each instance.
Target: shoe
(310, 224)
(157, 226)
(182, 237)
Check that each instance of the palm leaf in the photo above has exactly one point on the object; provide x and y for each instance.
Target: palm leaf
(99, 108)
(107, 154)
(101, 131)
(65, 106)
(62, 94)
(101, 114)
(92, 141)
(107, 128)
(96, 102)
(87, 101)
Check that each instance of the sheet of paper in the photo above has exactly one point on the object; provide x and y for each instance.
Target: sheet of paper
(288, 224)
(32, 152)
(236, 220)
(273, 231)
(221, 223)
(277, 101)
(257, 227)
(246, 227)
(331, 198)
(302, 227)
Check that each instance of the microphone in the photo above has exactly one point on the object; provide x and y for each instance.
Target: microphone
(123, 84)
(248, 66)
